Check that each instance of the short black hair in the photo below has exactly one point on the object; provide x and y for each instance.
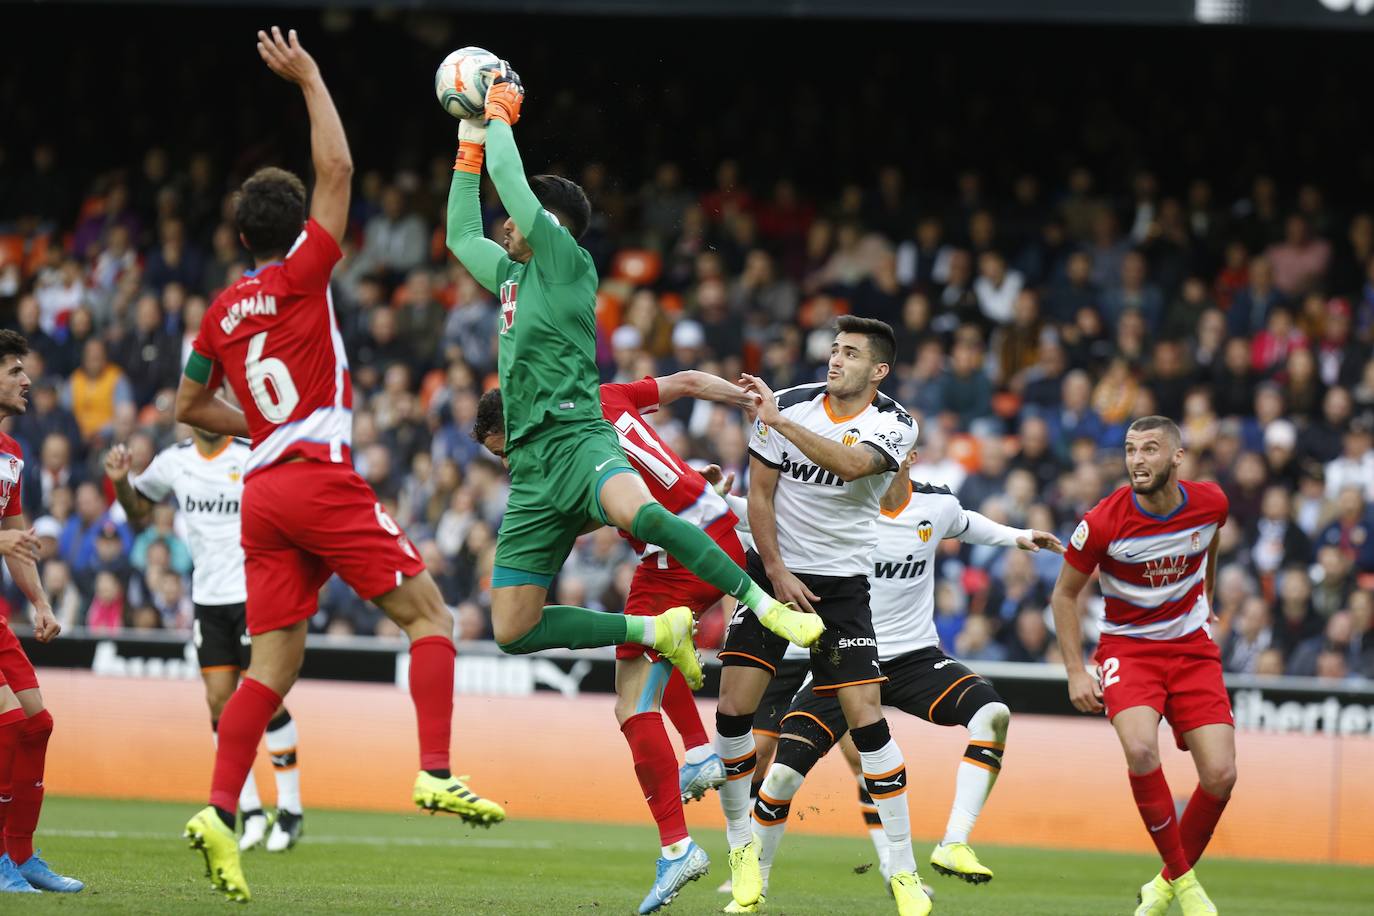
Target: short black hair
(1145, 424)
(12, 343)
(566, 199)
(881, 340)
(269, 211)
(491, 417)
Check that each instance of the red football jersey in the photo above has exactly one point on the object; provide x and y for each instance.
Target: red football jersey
(1152, 569)
(11, 477)
(273, 335)
(671, 481)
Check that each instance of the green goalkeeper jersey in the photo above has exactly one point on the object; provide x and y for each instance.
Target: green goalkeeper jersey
(547, 357)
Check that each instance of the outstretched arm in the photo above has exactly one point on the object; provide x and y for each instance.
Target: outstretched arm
(137, 506)
(484, 259)
(508, 174)
(328, 144)
(692, 383)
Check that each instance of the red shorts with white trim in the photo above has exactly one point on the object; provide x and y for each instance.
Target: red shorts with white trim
(15, 668)
(304, 520)
(1178, 678)
(653, 590)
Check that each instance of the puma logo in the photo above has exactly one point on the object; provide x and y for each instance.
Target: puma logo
(994, 755)
(1161, 826)
(769, 812)
(889, 782)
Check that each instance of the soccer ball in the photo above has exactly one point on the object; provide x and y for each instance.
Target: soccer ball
(462, 80)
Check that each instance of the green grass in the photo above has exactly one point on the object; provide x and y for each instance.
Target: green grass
(132, 860)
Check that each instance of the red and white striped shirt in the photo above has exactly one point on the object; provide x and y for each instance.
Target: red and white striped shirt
(1152, 568)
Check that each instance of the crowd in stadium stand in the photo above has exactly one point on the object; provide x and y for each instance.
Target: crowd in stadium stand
(1034, 320)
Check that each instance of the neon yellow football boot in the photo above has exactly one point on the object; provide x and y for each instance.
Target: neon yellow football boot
(755, 907)
(910, 896)
(453, 796)
(1155, 898)
(1190, 895)
(220, 847)
(746, 881)
(673, 632)
(959, 861)
(797, 627)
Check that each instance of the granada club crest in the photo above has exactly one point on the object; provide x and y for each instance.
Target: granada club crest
(508, 291)
(1195, 543)
(924, 530)
(851, 436)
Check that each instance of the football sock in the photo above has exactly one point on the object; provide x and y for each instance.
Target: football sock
(241, 726)
(978, 771)
(656, 769)
(884, 772)
(874, 825)
(694, 549)
(681, 709)
(1199, 820)
(431, 690)
(281, 744)
(1156, 806)
(735, 745)
(771, 811)
(674, 851)
(26, 781)
(566, 627)
(248, 797)
(11, 729)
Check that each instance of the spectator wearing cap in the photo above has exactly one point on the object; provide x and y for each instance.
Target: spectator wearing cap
(1281, 453)
(626, 349)
(1354, 467)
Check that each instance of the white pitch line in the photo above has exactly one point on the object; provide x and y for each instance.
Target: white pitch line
(312, 839)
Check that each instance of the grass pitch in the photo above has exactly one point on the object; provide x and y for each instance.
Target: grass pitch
(133, 861)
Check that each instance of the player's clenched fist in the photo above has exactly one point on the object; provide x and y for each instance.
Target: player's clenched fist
(1085, 692)
(504, 98)
(117, 461)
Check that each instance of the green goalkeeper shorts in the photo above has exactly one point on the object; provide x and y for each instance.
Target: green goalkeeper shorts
(555, 479)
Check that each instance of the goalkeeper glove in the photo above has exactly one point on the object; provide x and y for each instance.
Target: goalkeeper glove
(504, 96)
(472, 146)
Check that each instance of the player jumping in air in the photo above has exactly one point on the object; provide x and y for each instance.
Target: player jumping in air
(922, 680)
(25, 724)
(205, 474)
(643, 681)
(566, 466)
(818, 465)
(1154, 545)
(306, 513)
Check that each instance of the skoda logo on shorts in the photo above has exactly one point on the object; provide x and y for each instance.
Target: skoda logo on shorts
(851, 436)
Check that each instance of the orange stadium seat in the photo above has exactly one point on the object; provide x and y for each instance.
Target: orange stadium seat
(639, 266)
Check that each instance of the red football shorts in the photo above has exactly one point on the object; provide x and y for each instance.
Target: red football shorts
(15, 668)
(653, 589)
(304, 520)
(1178, 678)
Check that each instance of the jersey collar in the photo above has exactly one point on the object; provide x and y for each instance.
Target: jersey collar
(257, 270)
(825, 400)
(1162, 518)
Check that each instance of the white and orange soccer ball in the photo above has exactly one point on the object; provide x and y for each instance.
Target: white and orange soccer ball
(462, 80)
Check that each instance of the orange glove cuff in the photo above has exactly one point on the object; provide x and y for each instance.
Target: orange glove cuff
(469, 158)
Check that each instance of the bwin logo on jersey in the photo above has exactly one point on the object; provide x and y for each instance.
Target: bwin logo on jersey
(809, 473)
(924, 530)
(219, 505)
(851, 436)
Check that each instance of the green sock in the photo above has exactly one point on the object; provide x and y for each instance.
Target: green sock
(566, 627)
(694, 549)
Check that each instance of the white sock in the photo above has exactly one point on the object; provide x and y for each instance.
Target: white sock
(699, 754)
(873, 823)
(248, 795)
(677, 850)
(281, 744)
(885, 775)
(978, 771)
(771, 810)
(740, 758)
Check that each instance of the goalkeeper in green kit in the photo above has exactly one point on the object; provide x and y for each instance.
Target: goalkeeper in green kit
(566, 465)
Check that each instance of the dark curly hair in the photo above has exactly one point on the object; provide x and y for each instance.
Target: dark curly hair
(12, 343)
(269, 211)
(566, 199)
(491, 417)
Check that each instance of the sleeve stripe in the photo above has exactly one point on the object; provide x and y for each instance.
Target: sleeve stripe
(768, 461)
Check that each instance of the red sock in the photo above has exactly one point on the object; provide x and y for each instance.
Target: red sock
(431, 689)
(656, 768)
(1199, 820)
(681, 708)
(241, 727)
(27, 781)
(1157, 811)
(11, 730)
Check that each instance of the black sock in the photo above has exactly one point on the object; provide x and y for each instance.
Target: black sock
(226, 816)
(440, 774)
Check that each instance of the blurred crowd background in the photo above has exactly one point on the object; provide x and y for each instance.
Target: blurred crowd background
(1054, 266)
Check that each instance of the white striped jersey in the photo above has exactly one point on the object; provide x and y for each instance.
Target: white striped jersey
(827, 527)
(1151, 568)
(209, 493)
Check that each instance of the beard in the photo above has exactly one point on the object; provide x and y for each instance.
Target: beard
(1156, 483)
(843, 388)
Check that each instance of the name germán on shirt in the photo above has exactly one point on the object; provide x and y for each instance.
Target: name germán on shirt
(252, 305)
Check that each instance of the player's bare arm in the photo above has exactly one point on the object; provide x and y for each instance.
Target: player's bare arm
(328, 145)
(1084, 691)
(198, 405)
(899, 490)
(848, 462)
(1210, 583)
(23, 566)
(18, 542)
(117, 463)
(763, 524)
(693, 383)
